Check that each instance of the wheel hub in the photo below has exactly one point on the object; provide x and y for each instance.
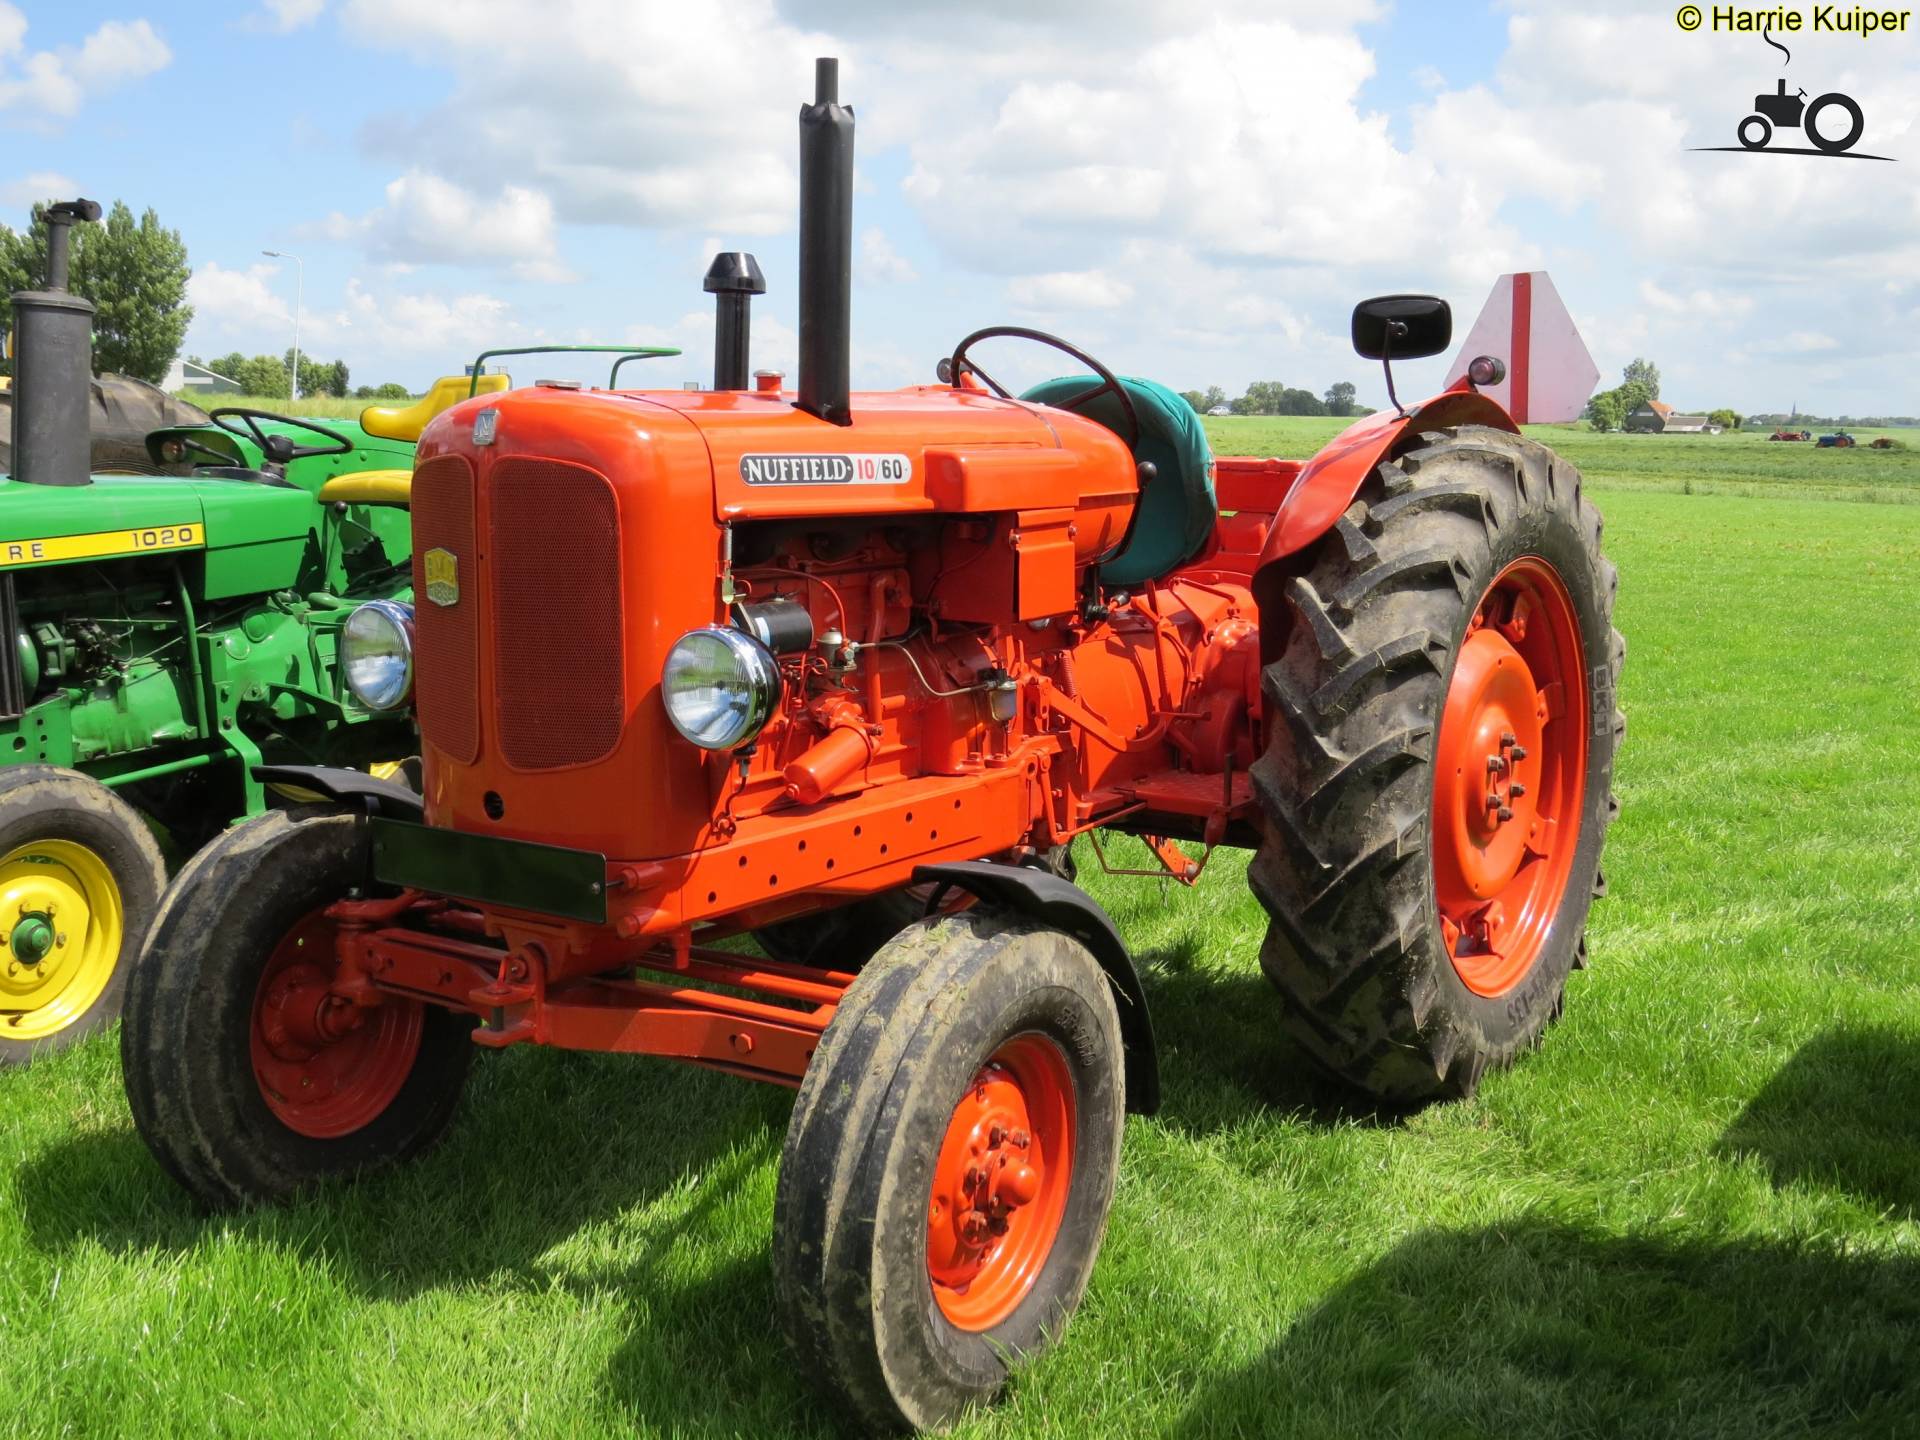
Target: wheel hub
(1494, 803)
(32, 939)
(1509, 777)
(325, 1066)
(1000, 1183)
(994, 1173)
(61, 929)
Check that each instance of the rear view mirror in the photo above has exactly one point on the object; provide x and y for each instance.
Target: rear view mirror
(1402, 327)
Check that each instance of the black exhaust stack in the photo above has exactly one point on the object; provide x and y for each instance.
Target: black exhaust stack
(826, 248)
(733, 280)
(53, 367)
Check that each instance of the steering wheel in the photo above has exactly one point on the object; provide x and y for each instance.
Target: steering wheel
(279, 448)
(954, 369)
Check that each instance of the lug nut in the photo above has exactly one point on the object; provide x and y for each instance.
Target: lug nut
(1519, 752)
(1516, 789)
(1505, 813)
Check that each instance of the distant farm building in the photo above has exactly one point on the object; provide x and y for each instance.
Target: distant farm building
(1656, 417)
(197, 379)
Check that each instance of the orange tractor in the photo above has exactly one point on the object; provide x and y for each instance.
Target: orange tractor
(851, 673)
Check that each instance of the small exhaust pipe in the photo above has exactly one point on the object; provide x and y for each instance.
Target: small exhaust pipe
(733, 280)
(53, 366)
(826, 248)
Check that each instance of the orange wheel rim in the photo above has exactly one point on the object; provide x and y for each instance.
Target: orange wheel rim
(1001, 1183)
(1510, 777)
(325, 1066)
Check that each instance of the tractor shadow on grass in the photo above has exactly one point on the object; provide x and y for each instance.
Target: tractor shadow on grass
(1842, 1114)
(1224, 1055)
(1539, 1328)
(545, 1143)
(644, 1187)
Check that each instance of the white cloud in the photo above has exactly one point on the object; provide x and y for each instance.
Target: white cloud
(1800, 342)
(429, 220)
(57, 82)
(1069, 290)
(447, 328)
(288, 15)
(238, 302)
(621, 113)
(1696, 305)
(880, 262)
(395, 331)
(38, 185)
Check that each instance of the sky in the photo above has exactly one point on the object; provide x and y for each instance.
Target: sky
(1197, 193)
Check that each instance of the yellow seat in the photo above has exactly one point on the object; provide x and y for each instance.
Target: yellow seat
(370, 487)
(405, 422)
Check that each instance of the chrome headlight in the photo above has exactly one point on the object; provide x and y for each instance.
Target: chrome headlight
(720, 687)
(376, 654)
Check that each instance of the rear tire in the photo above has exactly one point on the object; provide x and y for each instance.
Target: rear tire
(1370, 843)
(80, 878)
(949, 1166)
(233, 1108)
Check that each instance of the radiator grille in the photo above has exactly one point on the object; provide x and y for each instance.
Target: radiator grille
(447, 637)
(554, 555)
(13, 685)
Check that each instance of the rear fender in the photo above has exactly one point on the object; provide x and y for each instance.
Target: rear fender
(1331, 479)
(1043, 896)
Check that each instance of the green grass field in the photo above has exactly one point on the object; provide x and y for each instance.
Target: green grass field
(1695, 1212)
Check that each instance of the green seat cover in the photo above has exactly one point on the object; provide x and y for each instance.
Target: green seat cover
(1177, 508)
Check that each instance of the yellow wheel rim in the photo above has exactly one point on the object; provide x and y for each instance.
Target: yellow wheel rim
(62, 923)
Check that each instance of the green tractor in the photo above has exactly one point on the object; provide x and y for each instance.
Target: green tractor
(165, 635)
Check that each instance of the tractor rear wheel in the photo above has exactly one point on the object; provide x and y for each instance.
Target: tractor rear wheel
(248, 1079)
(1438, 778)
(949, 1166)
(80, 877)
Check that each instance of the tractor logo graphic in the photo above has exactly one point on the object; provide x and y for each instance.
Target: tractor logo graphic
(442, 569)
(1792, 112)
(1820, 121)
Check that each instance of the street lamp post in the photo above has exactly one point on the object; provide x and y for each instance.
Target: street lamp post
(299, 299)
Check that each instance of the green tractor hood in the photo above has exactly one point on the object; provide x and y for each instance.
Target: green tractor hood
(254, 536)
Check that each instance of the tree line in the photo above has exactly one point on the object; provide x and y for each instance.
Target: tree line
(1272, 397)
(272, 378)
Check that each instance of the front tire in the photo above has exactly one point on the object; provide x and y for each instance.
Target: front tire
(80, 878)
(247, 1078)
(949, 1166)
(1437, 783)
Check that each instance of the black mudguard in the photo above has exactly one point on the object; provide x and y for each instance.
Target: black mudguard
(1046, 897)
(354, 789)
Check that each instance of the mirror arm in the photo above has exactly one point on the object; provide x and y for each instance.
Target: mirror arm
(1395, 329)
